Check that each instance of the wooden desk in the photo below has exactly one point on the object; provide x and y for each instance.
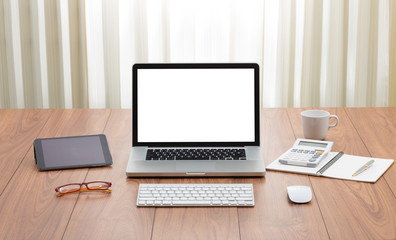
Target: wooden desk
(29, 208)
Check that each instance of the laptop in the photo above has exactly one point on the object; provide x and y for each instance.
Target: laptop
(195, 120)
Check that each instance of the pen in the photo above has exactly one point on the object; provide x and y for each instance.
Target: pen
(363, 168)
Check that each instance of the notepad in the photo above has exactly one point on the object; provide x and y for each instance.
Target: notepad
(341, 166)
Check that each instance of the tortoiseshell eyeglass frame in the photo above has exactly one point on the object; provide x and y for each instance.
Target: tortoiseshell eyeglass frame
(105, 187)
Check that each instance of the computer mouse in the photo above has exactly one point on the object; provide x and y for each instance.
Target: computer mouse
(299, 194)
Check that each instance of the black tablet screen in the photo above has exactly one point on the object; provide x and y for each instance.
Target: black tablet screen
(72, 151)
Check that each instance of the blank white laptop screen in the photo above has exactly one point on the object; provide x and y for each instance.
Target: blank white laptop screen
(196, 105)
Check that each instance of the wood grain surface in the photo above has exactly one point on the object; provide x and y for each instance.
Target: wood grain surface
(275, 216)
(31, 208)
(340, 209)
(114, 215)
(351, 210)
(377, 128)
(18, 129)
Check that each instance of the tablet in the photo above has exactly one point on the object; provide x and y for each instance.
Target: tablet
(72, 152)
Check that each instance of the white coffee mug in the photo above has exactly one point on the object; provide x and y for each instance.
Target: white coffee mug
(315, 123)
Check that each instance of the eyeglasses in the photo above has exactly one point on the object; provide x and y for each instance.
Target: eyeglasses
(78, 187)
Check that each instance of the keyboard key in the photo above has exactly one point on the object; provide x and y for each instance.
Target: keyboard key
(147, 199)
(145, 195)
(191, 203)
(242, 199)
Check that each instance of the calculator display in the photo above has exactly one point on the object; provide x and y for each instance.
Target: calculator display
(312, 144)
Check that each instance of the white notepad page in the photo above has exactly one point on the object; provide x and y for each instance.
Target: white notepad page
(349, 164)
(343, 168)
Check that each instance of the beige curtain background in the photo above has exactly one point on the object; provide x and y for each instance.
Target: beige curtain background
(392, 61)
(79, 54)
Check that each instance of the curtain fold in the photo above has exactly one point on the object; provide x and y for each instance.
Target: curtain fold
(392, 54)
(312, 53)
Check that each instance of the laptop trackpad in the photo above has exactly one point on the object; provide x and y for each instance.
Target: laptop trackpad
(196, 166)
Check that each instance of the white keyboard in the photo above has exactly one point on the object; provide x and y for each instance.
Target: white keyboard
(168, 195)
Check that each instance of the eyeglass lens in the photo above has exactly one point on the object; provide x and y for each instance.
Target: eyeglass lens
(69, 188)
(97, 185)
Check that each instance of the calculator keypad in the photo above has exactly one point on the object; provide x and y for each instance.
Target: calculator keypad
(303, 155)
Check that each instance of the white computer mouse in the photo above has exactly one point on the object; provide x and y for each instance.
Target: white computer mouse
(299, 194)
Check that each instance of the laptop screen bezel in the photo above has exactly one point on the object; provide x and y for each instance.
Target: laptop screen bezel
(135, 132)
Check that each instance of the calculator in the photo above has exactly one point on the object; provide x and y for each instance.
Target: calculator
(306, 152)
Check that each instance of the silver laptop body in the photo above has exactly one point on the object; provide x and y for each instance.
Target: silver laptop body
(195, 120)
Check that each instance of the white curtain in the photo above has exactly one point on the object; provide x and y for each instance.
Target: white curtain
(79, 54)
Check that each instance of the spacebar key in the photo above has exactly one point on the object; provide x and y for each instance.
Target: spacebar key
(191, 203)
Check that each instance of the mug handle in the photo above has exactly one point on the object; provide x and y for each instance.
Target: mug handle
(333, 116)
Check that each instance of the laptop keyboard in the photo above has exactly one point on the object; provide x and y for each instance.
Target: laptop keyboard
(196, 154)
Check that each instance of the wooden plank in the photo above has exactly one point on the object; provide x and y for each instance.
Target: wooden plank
(196, 222)
(29, 208)
(275, 216)
(18, 130)
(351, 210)
(377, 128)
(115, 215)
